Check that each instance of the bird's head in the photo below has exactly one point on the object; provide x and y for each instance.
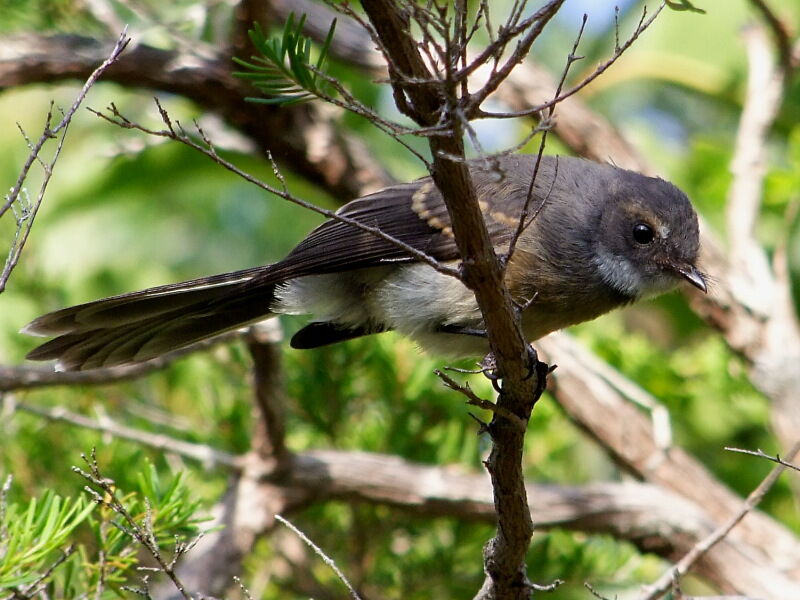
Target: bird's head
(647, 237)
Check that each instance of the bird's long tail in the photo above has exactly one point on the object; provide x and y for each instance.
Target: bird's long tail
(138, 326)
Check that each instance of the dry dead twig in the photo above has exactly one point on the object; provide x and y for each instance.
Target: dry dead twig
(665, 582)
(26, 211)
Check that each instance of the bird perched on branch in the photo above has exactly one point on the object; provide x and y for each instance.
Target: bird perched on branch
(598, 237)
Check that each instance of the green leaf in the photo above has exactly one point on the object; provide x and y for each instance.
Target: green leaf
(285, 72)
(36, 534)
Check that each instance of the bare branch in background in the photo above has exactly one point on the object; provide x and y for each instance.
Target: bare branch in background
(781, 36)
(587, 389)
(664, 583)
(753, 303)
(270, 427)
(750, 273)
(649, 516)
(762, 454)
(16, 200)
(204, 454)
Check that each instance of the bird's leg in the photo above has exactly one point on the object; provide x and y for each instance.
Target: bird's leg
(542, 370)
(461, 330)
(488, 365)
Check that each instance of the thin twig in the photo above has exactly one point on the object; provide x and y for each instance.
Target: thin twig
(175, 132)
(200, 452)
(599, 70)
(536, 24)
(664, 583)
(327, 560)
(244, 590)
(142, 534)
(594, 592)
(510, 30)
(524, 222)
(33, 589)
(761, 454)
(26, 219)
(474, 400)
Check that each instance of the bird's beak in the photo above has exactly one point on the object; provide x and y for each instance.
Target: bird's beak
(692, 275)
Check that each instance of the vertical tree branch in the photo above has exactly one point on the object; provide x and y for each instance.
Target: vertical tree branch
(751, 275)
(261, 489)
(263, 341)
(429, 102)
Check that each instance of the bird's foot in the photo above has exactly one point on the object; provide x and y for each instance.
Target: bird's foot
(488, 366)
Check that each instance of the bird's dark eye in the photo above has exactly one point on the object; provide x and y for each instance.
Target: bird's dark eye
(643, 233)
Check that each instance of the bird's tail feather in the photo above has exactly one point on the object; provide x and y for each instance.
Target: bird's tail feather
(138, 326)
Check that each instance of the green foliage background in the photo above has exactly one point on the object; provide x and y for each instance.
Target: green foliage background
(125, 212)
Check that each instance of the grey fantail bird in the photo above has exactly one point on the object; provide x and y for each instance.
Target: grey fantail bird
(602, 237)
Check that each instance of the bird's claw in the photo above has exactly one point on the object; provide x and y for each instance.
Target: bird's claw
(541, 369)
(488, 366)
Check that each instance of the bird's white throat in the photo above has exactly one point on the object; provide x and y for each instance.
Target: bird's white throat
(625, 277)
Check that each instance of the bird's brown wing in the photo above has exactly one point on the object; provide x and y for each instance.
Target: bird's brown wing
(336, 246)
(412, 213)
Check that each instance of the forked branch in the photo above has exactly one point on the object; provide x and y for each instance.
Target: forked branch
(17, 200)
